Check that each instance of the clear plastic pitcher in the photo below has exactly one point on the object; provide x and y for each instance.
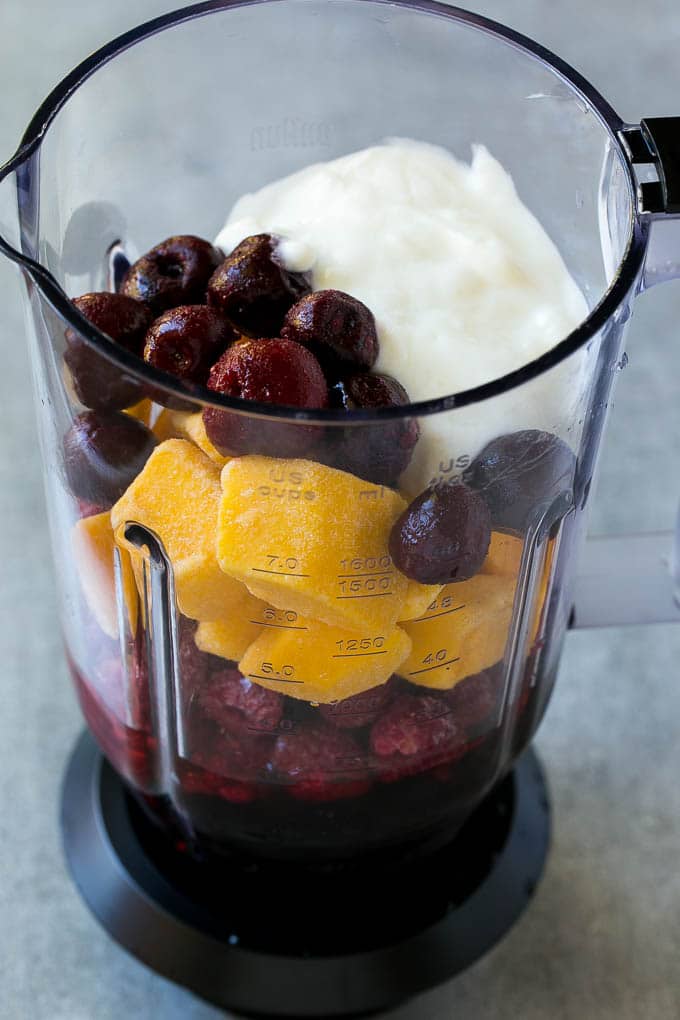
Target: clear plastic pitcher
(245, 649)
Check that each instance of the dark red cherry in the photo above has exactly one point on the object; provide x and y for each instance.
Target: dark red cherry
(103, 454)
(330, 321)
(252, 288)
(174, 272)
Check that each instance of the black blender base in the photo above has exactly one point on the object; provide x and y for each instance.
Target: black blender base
(176, 915)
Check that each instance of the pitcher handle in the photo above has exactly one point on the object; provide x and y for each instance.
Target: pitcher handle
(630, 579)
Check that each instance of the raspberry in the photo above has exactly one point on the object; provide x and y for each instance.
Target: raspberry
(234, 702)
(414, 734)
(321, 763)
(359, 710)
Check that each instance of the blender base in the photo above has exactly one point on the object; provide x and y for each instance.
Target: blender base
(156, 903)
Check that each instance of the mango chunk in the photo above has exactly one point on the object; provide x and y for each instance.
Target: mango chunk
(141, 411)
(504, 555)
(418, 599)
(311, 539)
(177, 496)
(463, 632)
(187, 425)
(231, 635)
(93, 551)
(318, 663)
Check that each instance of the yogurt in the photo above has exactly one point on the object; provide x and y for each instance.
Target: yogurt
(464, 282)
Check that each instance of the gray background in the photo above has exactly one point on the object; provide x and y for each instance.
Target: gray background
(602, 938)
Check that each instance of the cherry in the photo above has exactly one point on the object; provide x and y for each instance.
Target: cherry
(187, 341)
(253, 289)
(273, 372)
(174, 272)
(443, 536)
(97, 382)
(321, 763)
(335, 322)
(520, 474)
(103, 454)
(378, 453)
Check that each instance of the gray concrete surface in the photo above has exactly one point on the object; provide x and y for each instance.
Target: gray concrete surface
(602, 939)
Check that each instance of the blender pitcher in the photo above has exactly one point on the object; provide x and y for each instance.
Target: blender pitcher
(297, 726)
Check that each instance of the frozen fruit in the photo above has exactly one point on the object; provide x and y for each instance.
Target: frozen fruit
(141, 411)
(330, 321)
(379, 453)
(504, 555)
(253, 289)
(232, 765)
(103, 453)
(443, 536)
(93, 553)
(174, 272)
(418, 726)
(419, 598)
(97, 382)
(520, 474)
(187, 341)
(230, 636)
(194, 664)
(177, 497)
(361, 709)
(464, 632)
(184, 425)
(235, 703)
(318, 663)
(311, 539)
(476, 700)
(321, 763)
(271, 372)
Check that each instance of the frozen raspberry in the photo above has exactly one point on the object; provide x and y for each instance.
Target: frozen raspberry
(103, 454)
(202, 778)
(187, 341)
(417, 725)
(253, 290)
(97, 382)
(321, 763)
(232, 701)
(474, 701)
(520, 474)
(330, 321)
(194, 665)
(175, 272)
(378, 453)
(359, 710)
(443, 536)
(272, 372)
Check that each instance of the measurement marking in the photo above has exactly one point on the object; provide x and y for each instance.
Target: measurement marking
(277, 679)
(355, 655)
(281, 626)
(372, 573)
(279, 573)
(424, 619)
(438, 665)
(377, 595)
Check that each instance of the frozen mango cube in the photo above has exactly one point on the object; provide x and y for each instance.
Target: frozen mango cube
(177, 496)
(187, 425)
(231, 635)
(463, 632)
(94, 551)
(418, 599)
(309, 538)
(504, 555)
(319, 663)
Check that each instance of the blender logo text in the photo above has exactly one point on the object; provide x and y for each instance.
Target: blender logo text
(292, 133)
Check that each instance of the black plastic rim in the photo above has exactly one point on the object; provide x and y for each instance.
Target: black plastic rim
(161, 926)
(625, 279)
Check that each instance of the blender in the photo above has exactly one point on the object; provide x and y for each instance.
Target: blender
(343, 879)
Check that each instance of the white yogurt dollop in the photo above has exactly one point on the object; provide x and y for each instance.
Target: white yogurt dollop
(464, 283)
